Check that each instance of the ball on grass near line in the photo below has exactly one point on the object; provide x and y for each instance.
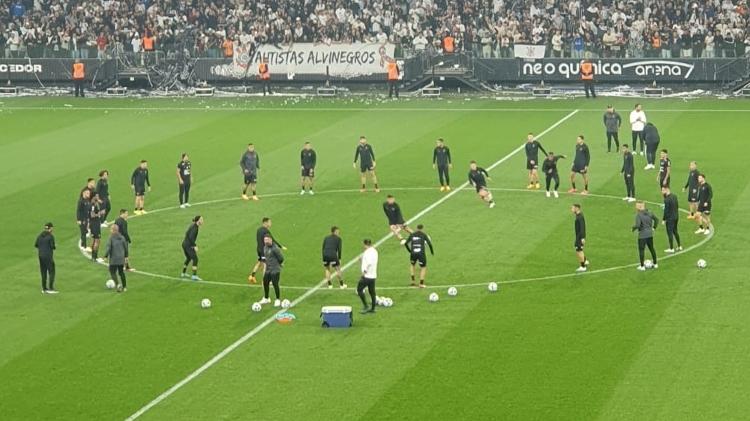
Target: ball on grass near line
(205, 303)
(387, 302)
(379, 300)
(256, 307)
(452, 291)
(648, 264)
(286, 303)
(110, 284)
(434, 297)
(492, 287)
(702, 264)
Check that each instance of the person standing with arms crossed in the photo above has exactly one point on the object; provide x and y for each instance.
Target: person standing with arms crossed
(671, 217)
(637, 123)
(45, 245)
(628, 173)
(185, 180)
(250, 164)
(117, 253)
(612, 123)
(441, 160)
(645, 223)
(369, 269)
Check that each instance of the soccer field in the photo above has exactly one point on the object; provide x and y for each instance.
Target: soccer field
(613, 343)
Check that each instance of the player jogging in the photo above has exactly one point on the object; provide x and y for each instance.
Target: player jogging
(274, 259)
(250, 164)
(369, 270)
(366, 157)
(628, 173)
(549, 168)
(441, 160)
(140, 183)
(478, 177)
(671, 217)
(645, 223)
(665, 169)
(580, 166)
(395, 218)
(117, 253)
(691, 186)
(185, 180)
(415, 244)
(580, 241)
(308, 159)
(190, 248)
(705, 196)
(532, 148)
(263, 231)
(332, 256)
(102, 189)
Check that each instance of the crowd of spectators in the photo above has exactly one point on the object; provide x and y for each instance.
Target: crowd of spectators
(487, 28)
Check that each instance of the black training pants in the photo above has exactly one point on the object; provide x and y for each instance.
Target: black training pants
(672, 233)
(107, 208)
(588, 87)
(185, 191)
(610, 137)
(642, 244)
(550, 177)
(190, 255)
(651, 152)
(638, 139)
(47, 268)
(272, 278)
(392, 87)
(84, 229)
(266, 87)
(115, 270)
(629, 184)
(443, 175)
(78, 88)
(370, 285)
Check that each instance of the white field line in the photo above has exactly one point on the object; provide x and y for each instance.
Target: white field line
(218, 357)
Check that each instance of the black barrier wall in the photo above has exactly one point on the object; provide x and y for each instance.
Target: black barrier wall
(51, 70)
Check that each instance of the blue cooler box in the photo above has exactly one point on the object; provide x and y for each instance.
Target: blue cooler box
(336, 316)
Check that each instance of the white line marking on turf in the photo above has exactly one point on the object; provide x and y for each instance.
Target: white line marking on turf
(218, 357)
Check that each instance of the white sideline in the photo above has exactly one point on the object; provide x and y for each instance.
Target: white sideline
(218, 357)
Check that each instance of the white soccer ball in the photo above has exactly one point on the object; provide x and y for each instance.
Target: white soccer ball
(702, 264)
(387, 302)
(648, 264)
(285, 303)
(434, 297)
(110, 284)
(492, 286)
(205, 303)
(452, 291)
(256, 307)
(379, 300)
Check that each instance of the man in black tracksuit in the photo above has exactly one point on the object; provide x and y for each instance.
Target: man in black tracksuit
(82, 216)
(140, 183)
(645, 223)
(612, 123)
(274, 261)
(102, 189)
(581, 163)
(580, 241)
(332, 246)
(532, 148)
(705, 199)
(628, 173)
(671, 217)
(117, 252)
(263, 231)
(185, 180)
(691, 186)
(308, 159)
(665, 169)
(652, 139)
(366, 157)
(190, 248)
(441, 159)
(122, 225)
(416, 244)
(45, 245)
(549, 168)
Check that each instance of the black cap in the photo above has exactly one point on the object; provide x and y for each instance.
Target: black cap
(48, 225)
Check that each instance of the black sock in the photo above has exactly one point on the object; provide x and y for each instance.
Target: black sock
(195, 272)
(586, 186)
(184, 269)
(254, 193)
(583, 264)
(376, 185)
(574, 185)
(412, 278)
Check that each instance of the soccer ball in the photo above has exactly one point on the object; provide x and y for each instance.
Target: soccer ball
(648, 264)
(286, 303)
(452, 291)
(492, 287)
(379, 300)
(434, 297)
(387, 302)
(110, 284)
(205, 303)
(256, 307)
(702, 264)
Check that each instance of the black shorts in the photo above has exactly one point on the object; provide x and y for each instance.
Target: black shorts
(578, 246)
(308, 172)
(693, 196)
(332, 262)
(663, 183)
(530, 166)
(140, 190)
(480, 188)
(577, 169)
(398, 222)
(96, 228)
(190, 253)
(364, 168)
(272, 277)
(251, 178)
(704, 208)
(261, 257)
(420, 258)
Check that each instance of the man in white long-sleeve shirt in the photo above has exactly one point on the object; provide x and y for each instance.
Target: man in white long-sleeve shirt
(637, 123)
(369, 274)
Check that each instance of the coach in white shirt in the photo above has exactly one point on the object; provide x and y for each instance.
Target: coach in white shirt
(637, 123)
(369, 274)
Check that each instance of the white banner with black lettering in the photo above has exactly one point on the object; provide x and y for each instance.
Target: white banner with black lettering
(529, 51)
(337, 60)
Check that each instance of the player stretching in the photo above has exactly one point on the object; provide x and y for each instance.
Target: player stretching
(139, 182)
(366, 157)
(671, 217)
(263, 231)
(441, 159)
(549, 168)
(645, 223)
(478, 178)
(308, 158)
(533, 147)
(580, 166)
(580, 242)
(665, 169)
(190, 248)
(250, 164)
(415, 244)
(395, 218)
(628, 173)
(185, 180)
(691, 186)
(332, 257)
(705, 195)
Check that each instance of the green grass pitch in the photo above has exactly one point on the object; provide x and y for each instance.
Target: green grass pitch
(669, 344)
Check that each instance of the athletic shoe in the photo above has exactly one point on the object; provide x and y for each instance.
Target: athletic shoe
(130, 269)
(255, 198)
(641, 153)
(182, 206)
(530, 186)
(447, 188)
(586, 263)
(547, 193)
(183, 275)
(302, 193)
(627, 199)
(538, 186)
(656, 266)
(143, 212)
(119, 288)
(377, 190)
(312, 193)
(264, 301)
(679, 248)
(585, 192)
(707, 231)
(669, 251)
(556, 194)
(196, 278)
(362, 190)
(403, 241)
(442, 188)
(690, 217)
(52, 291)
(631, 200)
(187, 205)
(572, 190)
(44, 291)
(343, 286)
(422, 286)
(330, 285)
(641, 268)
(277, 303)
(492, 205)
(700, 231)
(87, 249)
(581, 269)
(251, 279)
(245, 197)
(100, 260)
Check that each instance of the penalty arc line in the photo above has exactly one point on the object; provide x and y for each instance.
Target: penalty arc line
(218, 357)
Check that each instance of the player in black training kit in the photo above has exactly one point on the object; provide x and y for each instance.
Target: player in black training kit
(395, 218)
(580, 241)
(190, 248)
(82, 216)
(580, 166)
(549, 168)
(263, 231)
(415, 244)
(665, 169)
(671, 217)
(185, 180)
(45, 245)
(122, 224)
(95, 226)
(705, 196)
(140, 183)
(628, 173)
(691, 187)
(250, 165)
(102, 189)
(332, 257)
(532, 148)
(366, 157)
(478, 177)
(307, 161)
(441, 160)
(645, 223)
